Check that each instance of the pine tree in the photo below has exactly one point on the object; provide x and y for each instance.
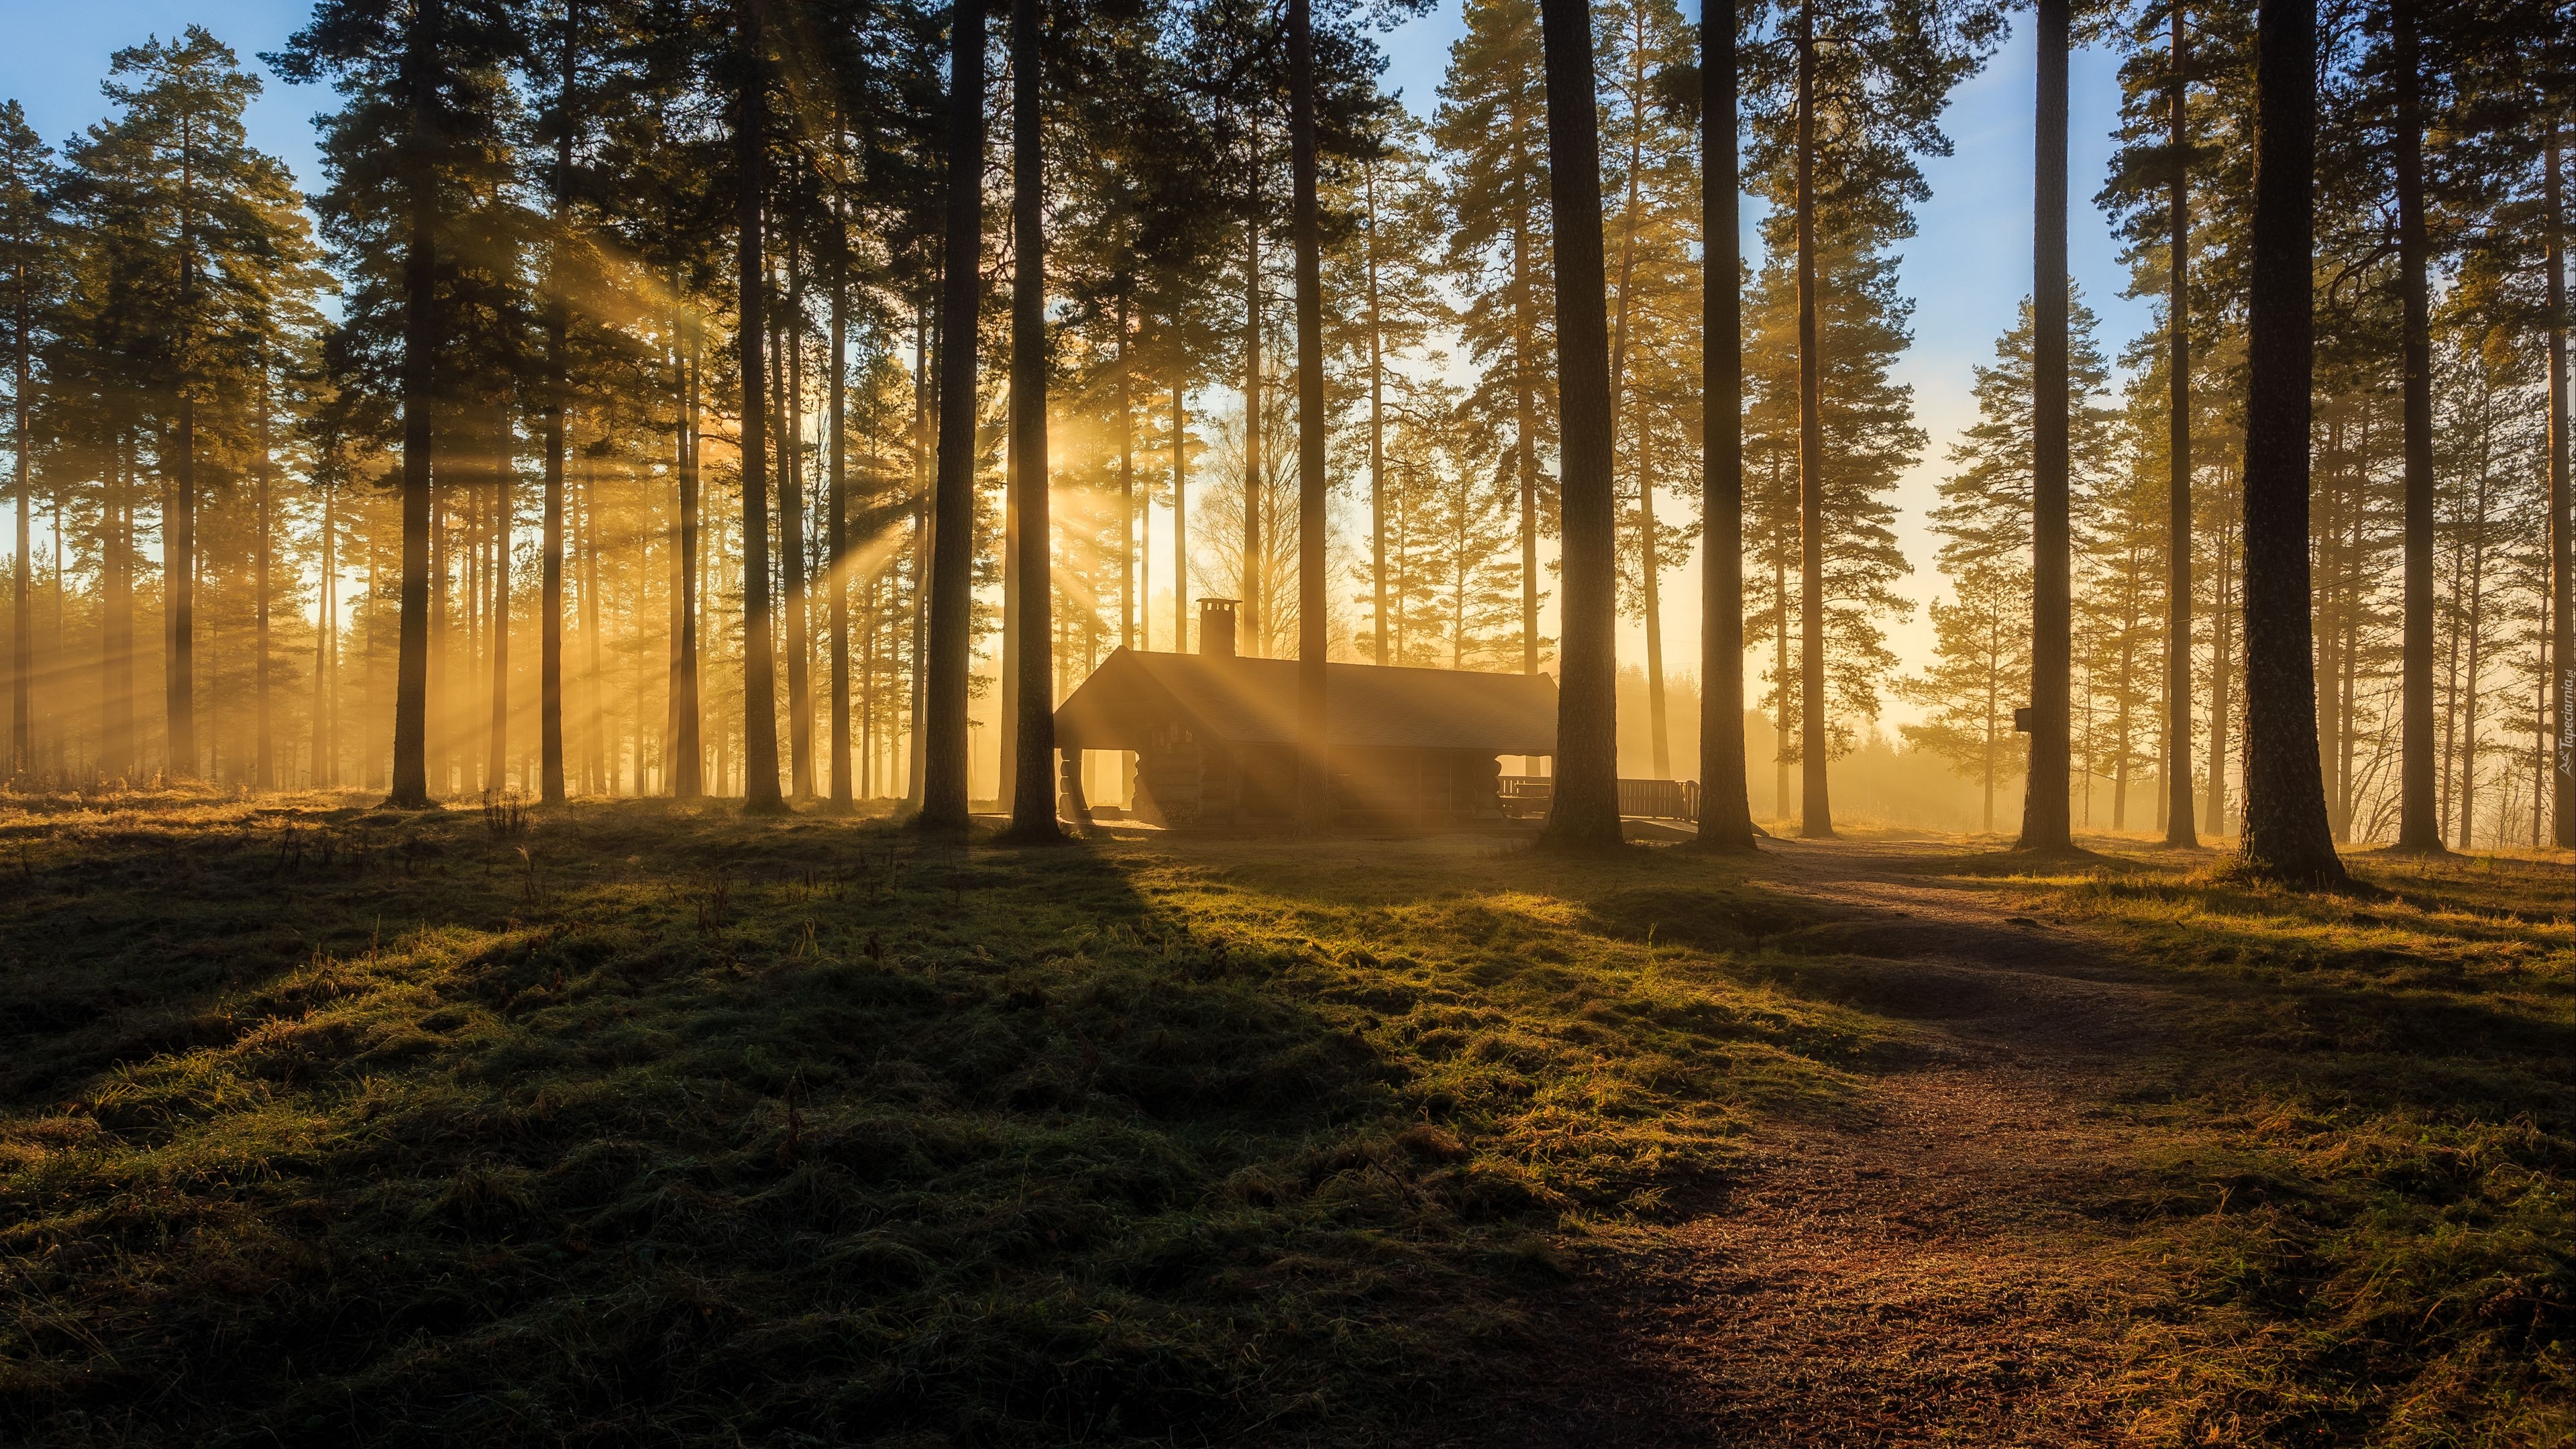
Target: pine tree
(211, 239)
(1848, 94)
(1655, 314)
(1869, 439)
(1981, 668)
(944, 765)
(32, 268)
(1390, 263)
(1491, 133)
(2286, 834)
(417, 130)
(1726, 815)
(1583, 810)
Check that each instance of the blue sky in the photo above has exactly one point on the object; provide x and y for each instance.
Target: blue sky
(1966, 269)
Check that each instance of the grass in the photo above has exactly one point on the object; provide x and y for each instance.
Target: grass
(629, 1123)
(2368, 1196)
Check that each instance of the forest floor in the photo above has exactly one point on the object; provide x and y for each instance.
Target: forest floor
(636, 1123)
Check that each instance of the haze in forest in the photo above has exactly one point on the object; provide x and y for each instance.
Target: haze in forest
(1940, 272)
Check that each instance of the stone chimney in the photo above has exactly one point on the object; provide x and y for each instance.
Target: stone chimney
(1216, 628)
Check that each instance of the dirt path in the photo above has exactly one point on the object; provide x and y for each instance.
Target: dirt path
(1927, 1275)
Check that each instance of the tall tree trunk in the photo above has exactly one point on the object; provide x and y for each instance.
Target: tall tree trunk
(1725, 814)
(550, 752)
(179, 607)
(421, 328)
(442, 629)
(1816, 820)
(951, 529)
(2330, 600)
(1650, 568)
(1180, 506)
(791, 534)
(599, 771)
(2419, 824)
(1780, 687)
(179, 521)
(2562, 557)
(1376, 423)
(2177, 761)
(497, 621)
(115, 749)
(2121, 726)
(326, 641)
(264, 747)
(685, 767)
(1315, 788)
(1249, 639)
(1661, 745)
(2222, 681)
(2045, 825)
(1130, 610)
(759, 667)
(2286, 834)
(941, 778)
(2474, 625)
(1525, 436)
(835, 521)
(1584, 815)
(1034, 785)
(550, 766)
(22, 650)
(922, 472)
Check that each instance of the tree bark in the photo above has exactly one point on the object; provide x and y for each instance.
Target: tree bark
(943, 804)
(1525, 439)
(179, 523)
(2286, 834)
(2419, 826)
(1131, 610)
(419, 383)
(22, 717)
(550, 760)
(2045, 825)
(1033, 796)
(2562, 557)
(760, 794)
(599, 771)
(1376, 425)
(497, 620)
(1314, 762)
(2177, 762)
(835, 522)
(1816, 820)
(923, 472)
(791, 535)
(1248, 639)
(1725, 814)
(264, 748)
(1180, 506)
(1584, 814)
(686, 765)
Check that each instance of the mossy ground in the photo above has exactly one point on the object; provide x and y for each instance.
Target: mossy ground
(633, 1123)
(630, 1123)
(2368, 1204)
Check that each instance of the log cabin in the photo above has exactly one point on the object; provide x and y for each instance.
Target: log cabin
(1214, 734)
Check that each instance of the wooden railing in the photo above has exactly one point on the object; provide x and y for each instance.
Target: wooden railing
(1645, 799)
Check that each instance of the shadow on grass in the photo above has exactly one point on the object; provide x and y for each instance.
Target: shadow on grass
(637, 1121)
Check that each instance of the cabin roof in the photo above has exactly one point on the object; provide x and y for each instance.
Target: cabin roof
(1254, 701)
